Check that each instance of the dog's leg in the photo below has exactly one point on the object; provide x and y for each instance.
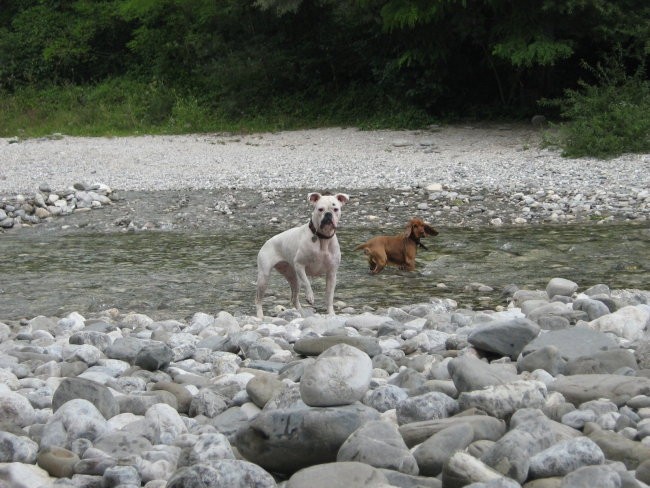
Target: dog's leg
(303, 281)
(262, 281)
(290, 275)
(330, 285)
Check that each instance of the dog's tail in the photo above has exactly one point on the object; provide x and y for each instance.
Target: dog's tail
(363, 246)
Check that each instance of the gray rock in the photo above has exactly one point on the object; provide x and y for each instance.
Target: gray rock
(139, 402)
(564, 457)
(379, 444)
(616, 447)
(313, 346)
(75, 419)
(602, 362)
(594, 308)
(628, 322)
(483, 426)
(20, 475)
(338, 475)
(93, 338)
(462, 469)
(547, 358)
(384, 397)
(339, 376)
(504, 337)
(511, 454)
(592, 477)
(581, 388)
(207, 448)
(226, 472)
(122, 444)
(154, 356)
(18, 449)
(395, 478)
(470, 373)
(121, 476)
(573, 343)
(503, 400)
(433, 405)
(288, 440)
(262, 388)
(15, 409)
(435, 451)
(124, 348)
(182, 394)
(208, 402)
(561, 286)
(95, 393)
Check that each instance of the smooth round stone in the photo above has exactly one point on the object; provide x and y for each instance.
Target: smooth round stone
(340, 376)
(57, 461)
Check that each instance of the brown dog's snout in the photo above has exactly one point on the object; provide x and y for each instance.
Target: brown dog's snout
(430, 230)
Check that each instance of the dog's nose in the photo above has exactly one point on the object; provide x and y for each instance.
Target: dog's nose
(327, 218)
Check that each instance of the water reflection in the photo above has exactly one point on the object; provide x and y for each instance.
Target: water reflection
(173, 275)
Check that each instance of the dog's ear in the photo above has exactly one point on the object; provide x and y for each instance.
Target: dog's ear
(430, 230)
(343, 198)
(409, 229)
(314, 197)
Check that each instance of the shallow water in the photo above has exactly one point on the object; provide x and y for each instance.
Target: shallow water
(174, 275)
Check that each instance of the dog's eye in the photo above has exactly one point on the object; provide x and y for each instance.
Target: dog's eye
(321, 209)
(335, 209)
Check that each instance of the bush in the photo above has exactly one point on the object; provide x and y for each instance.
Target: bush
(607, 119)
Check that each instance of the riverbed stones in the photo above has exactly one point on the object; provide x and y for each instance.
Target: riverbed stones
(430, 402)
(339, 376)
(338, 475)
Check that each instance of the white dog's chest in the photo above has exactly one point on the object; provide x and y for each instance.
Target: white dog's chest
(320, 258)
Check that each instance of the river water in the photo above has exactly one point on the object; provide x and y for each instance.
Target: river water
(175, 274)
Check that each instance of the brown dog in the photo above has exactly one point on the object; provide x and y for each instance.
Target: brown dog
(397, 250)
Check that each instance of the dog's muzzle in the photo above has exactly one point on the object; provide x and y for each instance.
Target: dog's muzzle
(327, 220)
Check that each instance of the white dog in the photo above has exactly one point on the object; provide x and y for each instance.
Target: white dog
(311, 249)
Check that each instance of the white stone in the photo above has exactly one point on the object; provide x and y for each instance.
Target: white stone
(628, 322)
(339, 376)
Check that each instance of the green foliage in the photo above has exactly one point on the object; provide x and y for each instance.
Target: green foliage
(607, 118)
(173, 65)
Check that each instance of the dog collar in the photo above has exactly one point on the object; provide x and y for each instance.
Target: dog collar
(318, 235)
(418, 243)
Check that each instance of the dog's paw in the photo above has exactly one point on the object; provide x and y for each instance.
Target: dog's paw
(309, 296)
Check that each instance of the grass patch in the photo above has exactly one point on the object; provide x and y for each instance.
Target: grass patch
(124, 107)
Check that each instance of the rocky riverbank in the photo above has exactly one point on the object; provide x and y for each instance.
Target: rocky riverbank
(552, 391)
(460, 176)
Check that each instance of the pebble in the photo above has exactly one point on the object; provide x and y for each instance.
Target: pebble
(501, 401)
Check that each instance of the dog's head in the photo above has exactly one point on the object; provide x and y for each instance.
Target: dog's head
(327, 211)
(418, 228)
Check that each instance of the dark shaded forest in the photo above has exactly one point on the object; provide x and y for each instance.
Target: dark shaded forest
(327, 58)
